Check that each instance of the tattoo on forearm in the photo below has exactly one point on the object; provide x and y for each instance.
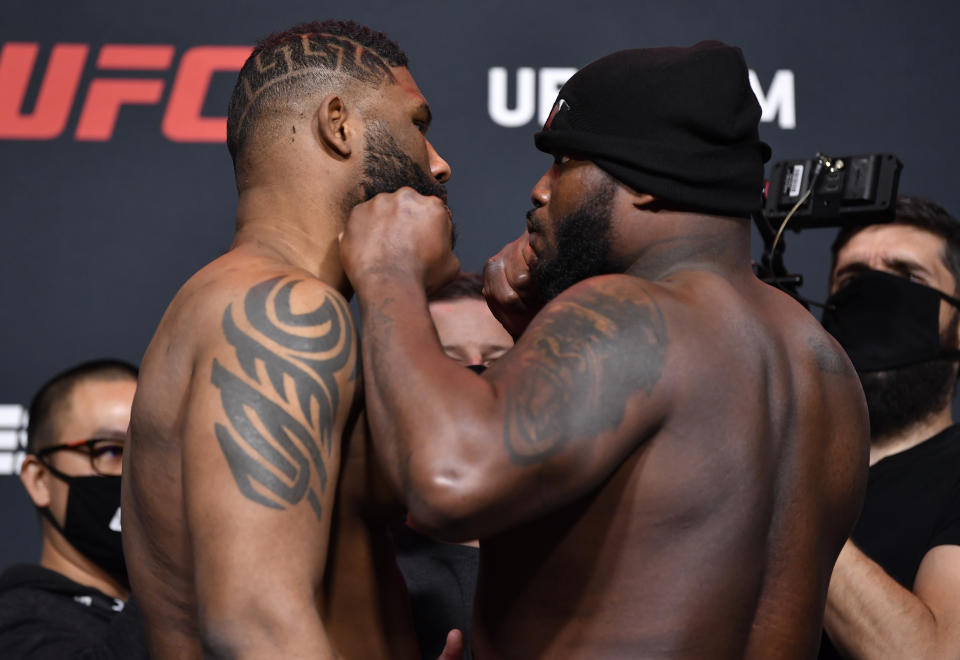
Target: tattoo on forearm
(593, 355)
(276, 424)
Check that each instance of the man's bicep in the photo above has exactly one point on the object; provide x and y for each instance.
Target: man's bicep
(262, 439)
(583, 387)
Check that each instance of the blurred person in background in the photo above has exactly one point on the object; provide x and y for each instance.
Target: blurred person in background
(468, 330)
(73, 604)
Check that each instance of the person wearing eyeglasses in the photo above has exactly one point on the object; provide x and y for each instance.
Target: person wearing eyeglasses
(74, 604)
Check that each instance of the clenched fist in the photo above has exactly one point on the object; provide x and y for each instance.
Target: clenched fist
(508, 288)
(401, 234)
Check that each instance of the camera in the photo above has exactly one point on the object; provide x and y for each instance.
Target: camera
(843, 190)
(822, 191)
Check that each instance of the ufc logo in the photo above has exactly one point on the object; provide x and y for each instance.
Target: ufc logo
(183, 120)
(13, 437)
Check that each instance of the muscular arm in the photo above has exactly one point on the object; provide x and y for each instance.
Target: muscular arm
(869, 615)
(547, 422)
(260, 465)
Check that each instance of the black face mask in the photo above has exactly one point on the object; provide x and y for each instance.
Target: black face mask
(886, 322)
(92, 520)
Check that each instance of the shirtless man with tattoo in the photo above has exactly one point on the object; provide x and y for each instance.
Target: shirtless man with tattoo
(252, 522)
(668, 462)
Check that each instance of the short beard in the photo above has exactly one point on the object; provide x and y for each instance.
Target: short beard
(899, 398)
(386, 168)
(583, 241)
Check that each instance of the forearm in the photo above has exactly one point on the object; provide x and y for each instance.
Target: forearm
(426, 412)
(869, 615)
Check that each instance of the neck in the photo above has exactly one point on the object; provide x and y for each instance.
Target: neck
(693, 242)
(71, 564)
(881, 447)
(289, 227)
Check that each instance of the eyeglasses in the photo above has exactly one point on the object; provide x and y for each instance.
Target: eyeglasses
(106, 454)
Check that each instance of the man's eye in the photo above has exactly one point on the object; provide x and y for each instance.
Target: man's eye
(114, 451)
(421, 125)
(560, 159)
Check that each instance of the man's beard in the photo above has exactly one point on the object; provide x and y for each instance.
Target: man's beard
(583, 241)
(899, 398)
(386, 168)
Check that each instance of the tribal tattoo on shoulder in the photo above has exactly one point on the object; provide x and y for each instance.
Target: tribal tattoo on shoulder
(282, 405)
(592, 356)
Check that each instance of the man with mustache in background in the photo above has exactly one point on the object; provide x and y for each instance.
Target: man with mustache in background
(894, 309)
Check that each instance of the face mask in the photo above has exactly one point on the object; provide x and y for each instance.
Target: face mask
(92, 521)
(886, 322)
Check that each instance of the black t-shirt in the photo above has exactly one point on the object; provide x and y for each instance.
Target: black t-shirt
(46, 616)
(912, 505)
(441, 579)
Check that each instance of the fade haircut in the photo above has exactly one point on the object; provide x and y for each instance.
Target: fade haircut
(293, 64)
(922, 214)
(465, 286)
(51, 400)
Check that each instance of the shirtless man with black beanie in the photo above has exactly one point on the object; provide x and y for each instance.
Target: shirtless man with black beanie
(254, 526)
(668, 462)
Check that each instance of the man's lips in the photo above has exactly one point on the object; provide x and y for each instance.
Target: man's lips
(533, 225)
(529, 254)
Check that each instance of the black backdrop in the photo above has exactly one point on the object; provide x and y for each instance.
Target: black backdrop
(102, 222)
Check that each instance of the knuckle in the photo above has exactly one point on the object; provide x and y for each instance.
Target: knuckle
(509, 297)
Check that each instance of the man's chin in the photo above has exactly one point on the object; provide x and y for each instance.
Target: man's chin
(897, 399)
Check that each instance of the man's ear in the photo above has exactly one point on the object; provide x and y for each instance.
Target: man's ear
(34, 477)
(332, 126)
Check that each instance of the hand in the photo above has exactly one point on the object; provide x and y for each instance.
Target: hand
(453, 648)
(399, 233)
(508, 288)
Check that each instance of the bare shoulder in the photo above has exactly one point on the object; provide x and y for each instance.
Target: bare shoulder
(596, 347)
(269, 295)
(611, 318)
(273, 380)
(277, 321)
(608, 304)
(808, 341)
(251, 319)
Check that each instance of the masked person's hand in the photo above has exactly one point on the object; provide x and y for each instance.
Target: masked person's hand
(400, 234)
(453, 648)
(508, 287)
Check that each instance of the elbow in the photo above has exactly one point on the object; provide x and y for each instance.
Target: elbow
(218, 644)
(453, 480)
(447, 501)
(249, 627)
(221, 638)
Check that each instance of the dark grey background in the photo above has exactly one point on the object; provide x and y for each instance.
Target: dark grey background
(98, 236)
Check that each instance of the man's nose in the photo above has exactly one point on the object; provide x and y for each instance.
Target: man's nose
(439, 168)
(540, 195)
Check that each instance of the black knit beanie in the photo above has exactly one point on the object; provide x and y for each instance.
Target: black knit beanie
(677, 123)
